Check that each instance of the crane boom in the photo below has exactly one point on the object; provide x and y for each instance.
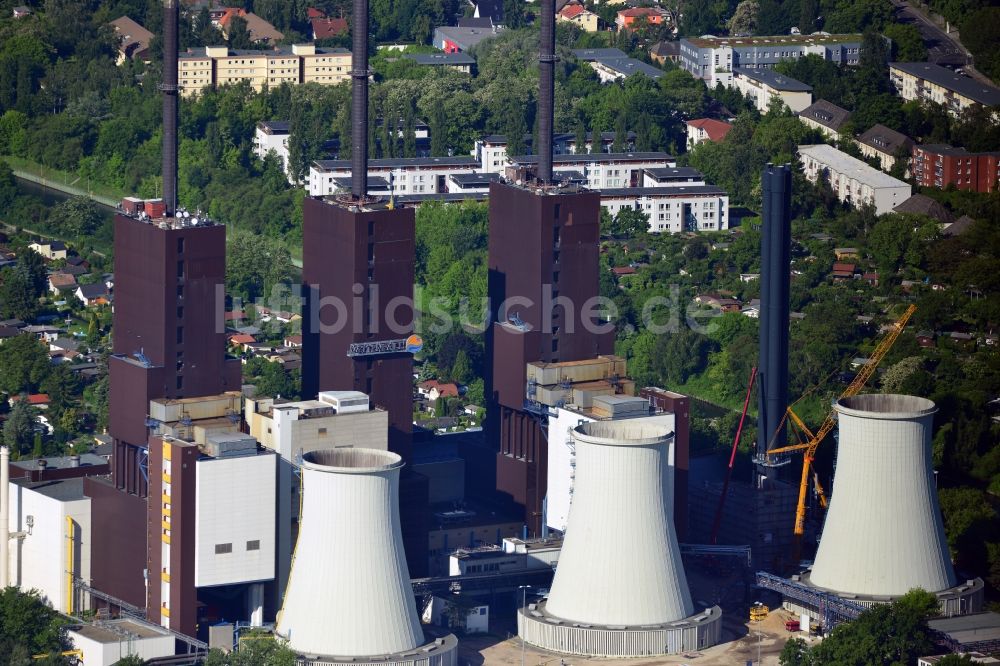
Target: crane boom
(813, 441)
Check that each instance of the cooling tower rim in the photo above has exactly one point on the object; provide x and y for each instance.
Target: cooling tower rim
(885, 406)
(351, 460)
(622, 433)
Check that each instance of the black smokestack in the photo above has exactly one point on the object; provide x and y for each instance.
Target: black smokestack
(546, 88)
(776, 184)
(359, 102)
(169, 89)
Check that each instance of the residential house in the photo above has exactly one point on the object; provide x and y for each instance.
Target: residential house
(8, 332)
(454, 39)
(61, 282)
(959, 226)
(133, 40)
(749, 277)
(921, 204)
(614, 64)
(627, 18)
(622, 271)
(884, 144)
(491, 9)
(93, 294)
(853, 181)
(327, 28)
(64, 344)
(662, 52)
(752, 309)
(293, 341)
(433, 389)
(826, 117)
(578, 15)
(44, 333)
(21, 11)
(458, 61)
(242, 341)
(259, 29)
(928, 82)
(706, 129)
(719, 302)
(36, 400)
(842, 253)
(51, 250)
(939, 165)
(843, 271)
(763, 86)
(926, 339)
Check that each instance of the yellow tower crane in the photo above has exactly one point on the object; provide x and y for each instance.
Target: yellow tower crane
(809, 442)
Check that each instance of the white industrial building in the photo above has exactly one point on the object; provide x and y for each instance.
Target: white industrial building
(105, 643)
(336, 419)
(610, 601)
(50, 526)
(349, 598)
(511, 555)
(884, 534)
(406, 175)
(854, 182)
(562, 447)
(763, 86)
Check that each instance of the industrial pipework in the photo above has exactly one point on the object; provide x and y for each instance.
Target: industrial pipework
(546, 88)
(775, 266)
(359, 102)
(171, 46)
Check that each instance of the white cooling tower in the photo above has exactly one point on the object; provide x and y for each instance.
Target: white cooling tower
(883, 533)
(349, 593)
(619, 588)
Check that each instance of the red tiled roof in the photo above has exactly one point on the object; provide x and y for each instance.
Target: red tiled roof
(312, 12)
(62, 280)
(242, 339)
(640, 11)
(34, 399)
(446, 389)
(716, 129)
(846, 269)
(623, 270)
(329, 27)
(235, 314)
(572, 11)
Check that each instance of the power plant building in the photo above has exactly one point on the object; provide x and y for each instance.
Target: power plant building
(609, 601)
(884, 534)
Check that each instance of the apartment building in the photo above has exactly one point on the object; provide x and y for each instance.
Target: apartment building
(763, 86)
(614, 64)
(937, 165)
(928, 82)
(405, 175)
(713, 58)
(884, 144)
(826, 117)
(853, 181)
(491, 150)
(272, 136)
(673, 208)
(601, 171)
(202, 68)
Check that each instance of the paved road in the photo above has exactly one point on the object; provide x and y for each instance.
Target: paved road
(942, 48)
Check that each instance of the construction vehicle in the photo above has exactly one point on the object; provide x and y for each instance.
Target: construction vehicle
(809, 442)
(792, 625)
(759, 612)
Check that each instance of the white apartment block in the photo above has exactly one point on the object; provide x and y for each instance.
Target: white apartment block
(928, 82)
(853, 181)
(272, 136)
(674, 209)
(491, 150)
(764, 86)
(603, 171)
(407, 175)
(202, 68)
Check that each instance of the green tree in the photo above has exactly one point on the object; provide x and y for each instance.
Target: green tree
(17, 297)
(8, 186)
(24, 364)
(461, 370)
(795, 653)
(27, 622)
(78, 217)
(131, 660)
(238, 33)
(19, 428)
(254, 264)
(260, 650)
(908, 44)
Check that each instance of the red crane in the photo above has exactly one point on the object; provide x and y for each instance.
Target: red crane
(732, 459)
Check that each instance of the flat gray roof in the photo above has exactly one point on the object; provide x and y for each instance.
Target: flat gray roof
(587, 158)
(392, 162)
(969, 628)
(630, 66)
(63, 490)
(678, 191)
(669, 173)
(773, 79)
(60, 462)
(447, 59)
(844, 163)
(597, 54)
(965, 86)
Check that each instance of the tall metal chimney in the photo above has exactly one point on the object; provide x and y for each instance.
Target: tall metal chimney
(169, 89)
(546, 88)
(359, 102)
(776, 182)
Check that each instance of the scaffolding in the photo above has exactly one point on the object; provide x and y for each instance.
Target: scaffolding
(832, 609)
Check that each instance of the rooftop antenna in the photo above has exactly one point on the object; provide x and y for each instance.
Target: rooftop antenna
(169, 90)
(359, 102)
(546, 89)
